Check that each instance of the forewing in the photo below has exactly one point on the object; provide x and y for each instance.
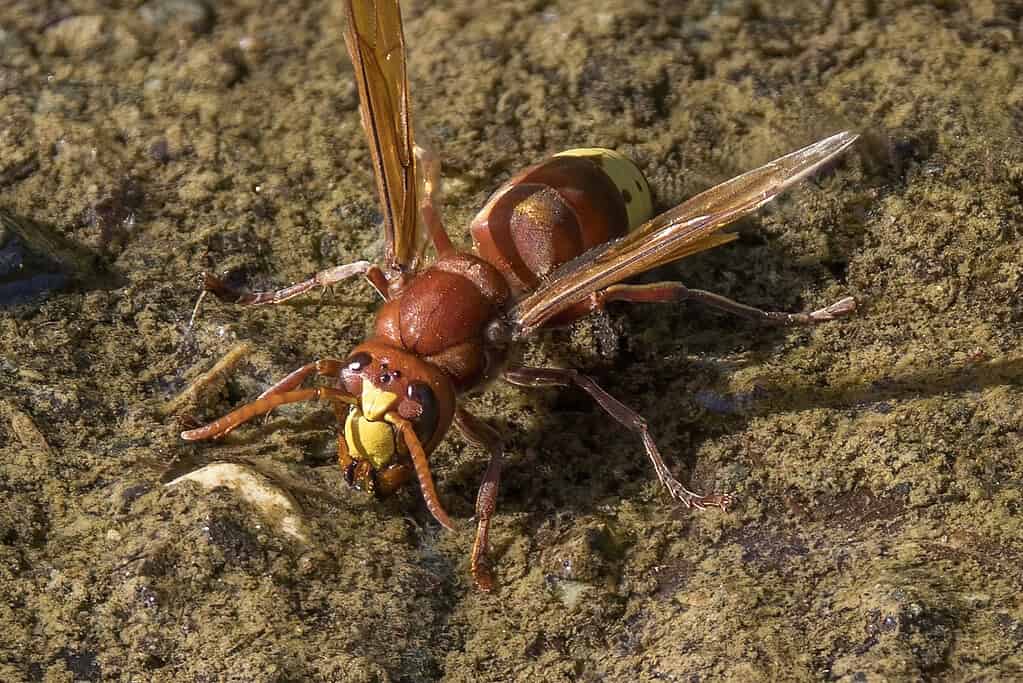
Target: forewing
(376, 43)
(682, 231)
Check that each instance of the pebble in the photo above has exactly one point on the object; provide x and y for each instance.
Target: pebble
(276, 505)
(189, 15)
(36, 259)
(84, 35)
(77, 36)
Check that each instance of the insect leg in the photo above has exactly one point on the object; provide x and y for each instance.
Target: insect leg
(323, 280)
(482, 435)
(429, 166)
(674, 292)
(326, 367)
(628, 418)
(225, 424)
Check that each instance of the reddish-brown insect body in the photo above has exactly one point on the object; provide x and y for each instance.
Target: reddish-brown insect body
(441, 314)
(546, 216)
(553, 244)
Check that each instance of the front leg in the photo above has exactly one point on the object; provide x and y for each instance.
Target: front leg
(323, 280)
(628, 418)
(325, 367)
(238, 416)
(480, 434)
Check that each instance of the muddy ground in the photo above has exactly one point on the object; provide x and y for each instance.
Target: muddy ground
(876, 461)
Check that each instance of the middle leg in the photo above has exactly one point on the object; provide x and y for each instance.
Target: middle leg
(628, 418)
(323, 280)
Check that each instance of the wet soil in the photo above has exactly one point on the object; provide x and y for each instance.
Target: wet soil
(877, 461)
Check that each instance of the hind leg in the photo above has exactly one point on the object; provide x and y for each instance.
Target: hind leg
(625, 416)
(676, 292)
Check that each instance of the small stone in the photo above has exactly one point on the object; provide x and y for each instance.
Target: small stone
(211, 68)
(276, 505)
(159, 151)
(86, 34)
(79, 36)
(174, 15)
(116, 213)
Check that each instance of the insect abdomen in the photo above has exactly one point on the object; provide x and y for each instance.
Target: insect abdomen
(556, 210)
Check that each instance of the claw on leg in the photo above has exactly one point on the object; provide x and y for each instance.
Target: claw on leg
(696, 500)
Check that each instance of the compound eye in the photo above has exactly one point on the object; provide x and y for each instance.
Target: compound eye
(359, 361)
(421, 393)
(429, 412)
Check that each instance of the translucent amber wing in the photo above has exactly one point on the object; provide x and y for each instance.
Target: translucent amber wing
(682, 231)
(376, 43)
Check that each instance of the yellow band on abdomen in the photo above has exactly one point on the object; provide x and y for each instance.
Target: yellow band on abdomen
(625, 175)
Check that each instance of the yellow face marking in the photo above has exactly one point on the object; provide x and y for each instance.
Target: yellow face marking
(376, 402)
(369, 440)
(625, 175)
